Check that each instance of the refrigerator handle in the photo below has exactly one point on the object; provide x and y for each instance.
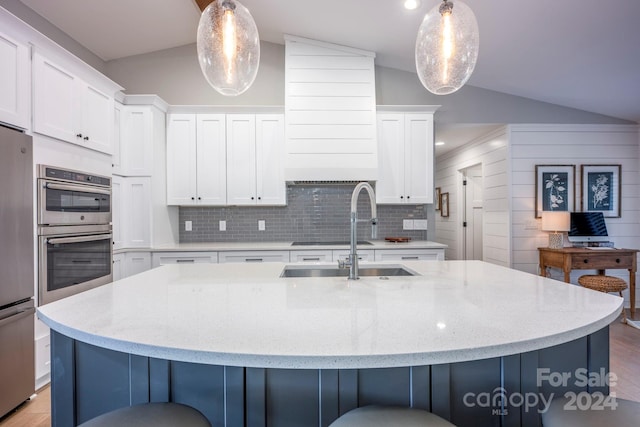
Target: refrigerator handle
(18, 315)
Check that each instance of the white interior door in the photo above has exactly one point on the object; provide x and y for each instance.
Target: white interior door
(473, 212)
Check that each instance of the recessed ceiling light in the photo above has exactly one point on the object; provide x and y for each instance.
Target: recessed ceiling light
(440, 143)
(411, 4)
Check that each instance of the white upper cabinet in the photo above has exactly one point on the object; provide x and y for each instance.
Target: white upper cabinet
(330, 106)
(405, 146)
(133, 148)
(14, 82)
(68, 108)
(196, 159)
(254, 159)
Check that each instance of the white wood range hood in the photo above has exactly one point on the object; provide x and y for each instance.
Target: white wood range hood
(330, 112)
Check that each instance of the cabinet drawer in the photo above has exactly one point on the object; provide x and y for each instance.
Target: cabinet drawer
(410, 255)
(363, 255)
(254, 256)
(310, 256)
(163, 258)
(601, 261)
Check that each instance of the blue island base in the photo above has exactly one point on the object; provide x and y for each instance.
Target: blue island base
(504, 391)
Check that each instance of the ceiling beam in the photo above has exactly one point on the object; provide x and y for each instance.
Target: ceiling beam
(202, 4)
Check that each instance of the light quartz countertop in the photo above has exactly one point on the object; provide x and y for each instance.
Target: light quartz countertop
(288, 246)
(246, 315)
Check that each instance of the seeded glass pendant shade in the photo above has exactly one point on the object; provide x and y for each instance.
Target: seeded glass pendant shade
(228, 47)
(447, 47)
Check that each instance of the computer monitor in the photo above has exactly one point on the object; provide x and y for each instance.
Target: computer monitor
(588, 227)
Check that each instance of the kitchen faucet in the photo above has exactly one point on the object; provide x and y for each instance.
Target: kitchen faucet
(353, 254)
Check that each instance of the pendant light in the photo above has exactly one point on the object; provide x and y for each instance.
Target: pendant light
(447, 47)
(228, 47)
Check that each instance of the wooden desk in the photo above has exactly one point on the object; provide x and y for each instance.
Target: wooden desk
(568, 259)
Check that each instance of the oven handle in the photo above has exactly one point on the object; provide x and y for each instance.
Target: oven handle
(78, 239)
(81, 188)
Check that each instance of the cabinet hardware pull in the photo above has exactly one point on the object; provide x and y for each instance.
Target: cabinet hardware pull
(586, 261)
(410, 257)
(79, 135)
(311, 259)
(86, 138)
(253, 259)
(185, 260)
(617, 260)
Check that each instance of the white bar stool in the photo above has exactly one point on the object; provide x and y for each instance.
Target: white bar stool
(388, 416)
(150, 415)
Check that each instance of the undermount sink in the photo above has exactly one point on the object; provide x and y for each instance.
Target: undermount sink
(334, 243)
(331, 271)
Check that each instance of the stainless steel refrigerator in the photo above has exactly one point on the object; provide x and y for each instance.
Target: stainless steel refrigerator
(17, 371)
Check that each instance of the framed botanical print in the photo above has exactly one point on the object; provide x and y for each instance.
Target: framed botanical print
(444, 204)
(555, 188)
(437, 197)
(601, 189)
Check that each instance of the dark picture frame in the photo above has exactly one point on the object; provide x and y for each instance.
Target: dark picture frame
(555, 188)
(444, 205)
(602, 189)
(437, 198)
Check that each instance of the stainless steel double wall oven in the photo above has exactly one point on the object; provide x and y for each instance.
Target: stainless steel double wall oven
(74, 232)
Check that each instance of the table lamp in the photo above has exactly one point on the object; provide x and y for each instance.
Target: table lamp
(557, 222)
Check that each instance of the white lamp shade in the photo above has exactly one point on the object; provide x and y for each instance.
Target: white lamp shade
(228, 47)
(556, 221)
(447, 47)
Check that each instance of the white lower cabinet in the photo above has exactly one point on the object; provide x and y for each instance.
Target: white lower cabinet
(409, 254)
(363, 255)
(136, 262)
(118, 267)
(311, 256)
(43, 360)
(253, 256)
(163, 258)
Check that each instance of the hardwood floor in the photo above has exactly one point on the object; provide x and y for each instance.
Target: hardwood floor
(625, 363)
(33, 413)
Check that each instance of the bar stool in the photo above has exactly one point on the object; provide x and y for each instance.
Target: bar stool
(625, 413)
(386, 416)
(150, 415)
(606, 284)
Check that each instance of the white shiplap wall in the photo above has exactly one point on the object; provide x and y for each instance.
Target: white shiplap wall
(491, 151)
(578, 145)
(330, 112)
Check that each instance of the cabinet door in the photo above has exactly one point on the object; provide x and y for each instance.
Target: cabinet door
(55, 101)
(241, 159)
(181, 159)
(137, 141)
(137, 212)
(136, 262)
(96, 113)
(14, 82)
(117, 215)
(211, 159)
(409, 255)
(390, 188)
(116, 155)
(118, 267)
(253, 256)
(418, 158)
(270, 185)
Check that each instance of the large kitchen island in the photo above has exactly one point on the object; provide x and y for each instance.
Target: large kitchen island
(478, 344)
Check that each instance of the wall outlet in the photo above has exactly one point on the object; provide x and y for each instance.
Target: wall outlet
(407, 224)
(188, 225)
(222, 225)
(262, 225)
(419, 224)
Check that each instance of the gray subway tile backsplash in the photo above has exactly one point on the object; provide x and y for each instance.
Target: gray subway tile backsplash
(313, 213)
